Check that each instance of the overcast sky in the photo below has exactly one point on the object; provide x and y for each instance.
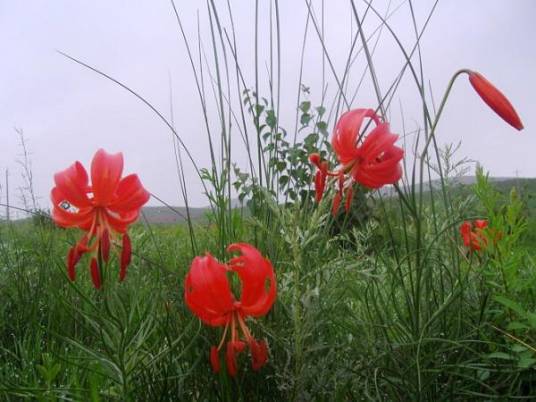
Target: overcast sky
(68, 112)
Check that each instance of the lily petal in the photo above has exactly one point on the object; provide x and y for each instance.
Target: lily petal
(106, 172)
(72, 184)
(345, 136)
(207, 291)
(256, 273)
(130, 195)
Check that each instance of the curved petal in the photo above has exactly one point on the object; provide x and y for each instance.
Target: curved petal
(465, 231)
(66, 219)
(120, 222)
(259, 353)
(380, 159)
(377, 176)
(481, 223)
(230, 359)
(379, 139)
(214, 359)
(207, 292)
(72, 183)
(72, 259)
(106, 171)
(81, 218)
(130, 195)
(256, 273)
(95, 274)
(126, 255)
(345, 136)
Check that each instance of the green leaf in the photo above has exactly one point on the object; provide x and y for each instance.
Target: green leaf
(305, 106)
(271, 120)
(322, 126)
(305, 119)
(483, 375)
(311, 139)
(516, 325)
(259, 109)
(511, 305)
(526, 362)
(518, 348)
(501, 355)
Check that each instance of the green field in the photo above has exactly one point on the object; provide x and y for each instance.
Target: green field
(348, 323)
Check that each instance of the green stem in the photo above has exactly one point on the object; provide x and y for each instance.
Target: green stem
(440, 110)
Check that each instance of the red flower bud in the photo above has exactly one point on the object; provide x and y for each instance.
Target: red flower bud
(495, 99)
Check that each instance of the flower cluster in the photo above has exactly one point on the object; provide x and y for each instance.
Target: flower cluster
(208, 295)
(106, 207)
(473, 235)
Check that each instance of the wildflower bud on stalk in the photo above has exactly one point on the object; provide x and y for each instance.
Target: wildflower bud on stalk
(495, 99)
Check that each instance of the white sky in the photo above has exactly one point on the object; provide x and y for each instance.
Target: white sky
(68, 112)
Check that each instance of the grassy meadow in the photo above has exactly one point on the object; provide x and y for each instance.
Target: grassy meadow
(347, 325)
(383, 303)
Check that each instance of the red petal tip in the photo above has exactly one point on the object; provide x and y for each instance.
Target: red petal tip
(214, 359)
(230, 359)
(259, 354)
(95, 274)
(72, 259)
(105, 245)
(336, 204)
(126, 254)
(349, 197)
(315, 159)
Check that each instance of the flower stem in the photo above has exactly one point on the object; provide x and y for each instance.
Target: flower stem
(440, 110)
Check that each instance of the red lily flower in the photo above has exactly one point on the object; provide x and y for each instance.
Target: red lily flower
(474, 238)
(208, 295)
(495, 99)
(103, 209)
(372, 162)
